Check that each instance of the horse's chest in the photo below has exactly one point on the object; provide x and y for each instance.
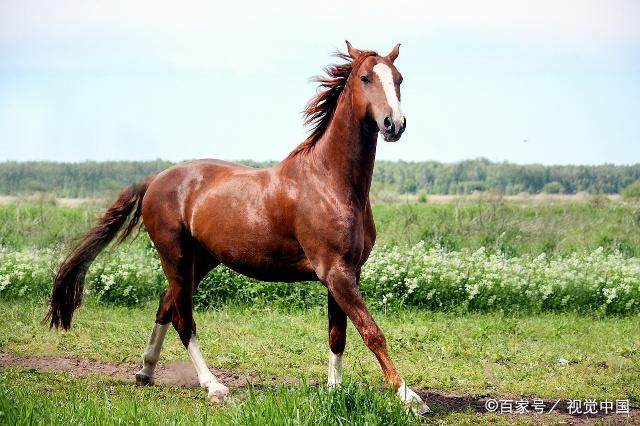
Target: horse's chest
(369, 239)
(356, 234)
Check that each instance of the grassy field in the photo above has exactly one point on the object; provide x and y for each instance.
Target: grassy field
(99, 400)
(513, 228)
(549, 356)
(458, 352)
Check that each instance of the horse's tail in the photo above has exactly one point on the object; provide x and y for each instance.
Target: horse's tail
(69, 281)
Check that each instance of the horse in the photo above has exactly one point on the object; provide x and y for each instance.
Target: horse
(306, 218)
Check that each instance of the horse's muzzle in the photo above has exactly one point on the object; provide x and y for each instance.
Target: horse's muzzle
(393, 129)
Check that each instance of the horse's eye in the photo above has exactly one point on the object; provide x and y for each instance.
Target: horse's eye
(400, 80)
(364, 79)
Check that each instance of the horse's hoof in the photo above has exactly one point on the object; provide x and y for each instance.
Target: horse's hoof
(218, 393)
(143, 380)
(422, 411)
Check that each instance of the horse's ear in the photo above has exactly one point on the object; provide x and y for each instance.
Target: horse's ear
(353, 52)
(394, 53)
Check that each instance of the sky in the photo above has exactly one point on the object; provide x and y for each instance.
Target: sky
(545, 81)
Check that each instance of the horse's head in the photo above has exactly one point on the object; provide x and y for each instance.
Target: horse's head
(376, 92)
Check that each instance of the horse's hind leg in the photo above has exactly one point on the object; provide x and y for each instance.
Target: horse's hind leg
(152, 352)
(185, 325)
(185, 264)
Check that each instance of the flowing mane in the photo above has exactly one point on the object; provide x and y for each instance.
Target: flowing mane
(320, 109)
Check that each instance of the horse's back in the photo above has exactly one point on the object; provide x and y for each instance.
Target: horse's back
(242, 215)
(171, 194)
(178, 176)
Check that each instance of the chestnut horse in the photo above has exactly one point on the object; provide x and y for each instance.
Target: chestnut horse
(306, 218)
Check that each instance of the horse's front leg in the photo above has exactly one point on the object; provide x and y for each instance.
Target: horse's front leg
(341, 281)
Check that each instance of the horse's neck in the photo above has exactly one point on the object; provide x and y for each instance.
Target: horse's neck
(347, 151)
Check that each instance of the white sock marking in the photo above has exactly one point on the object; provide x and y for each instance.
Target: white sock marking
(217, 392)
(407, 395)
(204, 375)
(335, 369)
(152, 353)
(386, 79)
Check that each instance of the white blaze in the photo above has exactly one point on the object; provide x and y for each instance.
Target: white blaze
(386, 79)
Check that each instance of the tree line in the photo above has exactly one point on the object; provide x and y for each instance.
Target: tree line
(94, 179)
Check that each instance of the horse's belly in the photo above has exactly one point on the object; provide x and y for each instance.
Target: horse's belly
(285, 273)
(285, 263)
(259, 254)
(248, 228)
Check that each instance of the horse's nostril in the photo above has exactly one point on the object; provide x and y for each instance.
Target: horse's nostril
(404, 123)
(387, 123)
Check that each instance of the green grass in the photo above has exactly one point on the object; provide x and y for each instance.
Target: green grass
(514, 228)
(470, 354)
(100, 400)
(462, 353)
(475, 354)
(44, 224)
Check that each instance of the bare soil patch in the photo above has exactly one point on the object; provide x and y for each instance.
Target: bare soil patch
(171, 374)
(560, 413)
(183, 374)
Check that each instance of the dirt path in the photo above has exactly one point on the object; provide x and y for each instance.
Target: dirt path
(172, 374)
(183, 374)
